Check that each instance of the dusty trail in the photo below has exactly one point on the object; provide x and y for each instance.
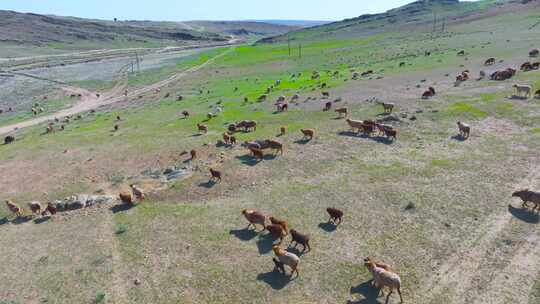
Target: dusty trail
(89, 99)
(456, 277)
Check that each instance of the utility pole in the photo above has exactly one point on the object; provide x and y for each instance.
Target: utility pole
(443, 25)
(289, 44)
(300, 50)
(138, 65)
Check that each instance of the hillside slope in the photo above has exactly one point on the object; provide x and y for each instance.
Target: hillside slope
(431, 14)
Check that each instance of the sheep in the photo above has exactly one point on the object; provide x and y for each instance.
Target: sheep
(490, 61)
(282, 130)
(51, 209)
(355, 124)
(336, 215)
(287, 258)
(308, 133)
(342, 111)
(186, 114)
(215, 175)
(254, 217)
(35, 207)
(327, 106)
(193, 154)
(522, 90)
(282, 223)
(257, 153)
(464, 129)
(126, 198)
(528, 196)
(202, 128)
(299, 238)
(226, 138)
(9, 139)
(384, 278)
(388, 107)
(14, 208)
(276, 231)
(138, 193)
(275, 145)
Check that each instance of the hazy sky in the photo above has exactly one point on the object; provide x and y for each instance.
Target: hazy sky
(178, 10)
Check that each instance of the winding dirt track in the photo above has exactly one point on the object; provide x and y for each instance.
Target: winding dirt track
(89, 99)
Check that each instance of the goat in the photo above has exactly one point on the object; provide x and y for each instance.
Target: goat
(342, 111)
(202, 128)
(14, 208)
(282, 223)
(383, 278)
(464, 129)
(287, 258)
(215, 175)
(254, 217)
(336, 215)
(299, 238)
(308, 133)
(35, 207)
(528, 196)
(138, 193)
(388, 107)
(522, 89)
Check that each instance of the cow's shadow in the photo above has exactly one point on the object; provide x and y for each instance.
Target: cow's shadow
(369, 293)
(525, 214)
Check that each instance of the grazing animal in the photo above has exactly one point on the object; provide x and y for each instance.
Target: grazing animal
(51, 209)
(179, 98)
(215, 175)
(185, 113)
(202, 128)
(336, 215)
(327, 106)
(503, 75)
(257, 153)
(14, 208)
(383, 278)
(355, 124)
(300, 238)
(280, 99)
(295, 97)
(138, 193)
(254, 217)
(402, 64)
(283, 130)
(537, 94)
(534, 53)
(535, 65)
(193, 154)
(233, 140)
(388, 107)
(278, 265)
(427, 94)
(527, 196)
(247, 125)
(325, 94)
(282, 223)
(35, 207)
(118, 118)
(116, 127)
(368, 128)
(525, 67)
(367, 73)
(461, 53)
(287, 258)
(276, 231)
(9, 139)
(522, 90)
(390, 133)
(282, 107)
(490, 61)
(275, 145)
(342, 111)
(126, 198)
(308, 133)
(226, 138)
(464, 129)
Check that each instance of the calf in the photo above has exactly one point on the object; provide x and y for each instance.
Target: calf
(308, 133)
(275, 145)
(14, 208)
(215, 175)
(35, 207)
(287, 258)
(528, 196)
(126, 198)
(342, 112)
(336, 215)
(276, 231)
(254, 217)
(464, 129)
(282, 223)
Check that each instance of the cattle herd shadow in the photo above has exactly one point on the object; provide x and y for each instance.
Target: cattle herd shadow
(4, 221)
(248, 160)
(302, 141)
(42, 220)
(369, 293)
(244, 234)
(275, 279)
(459, 137)
(21, 220)
(516, 97)
(297, 251)
(328, 226)
(524, 214)
(265, 243)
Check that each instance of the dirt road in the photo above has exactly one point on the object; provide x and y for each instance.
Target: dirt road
(90, 100)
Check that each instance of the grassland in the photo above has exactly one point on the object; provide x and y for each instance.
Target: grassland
(432, 205)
